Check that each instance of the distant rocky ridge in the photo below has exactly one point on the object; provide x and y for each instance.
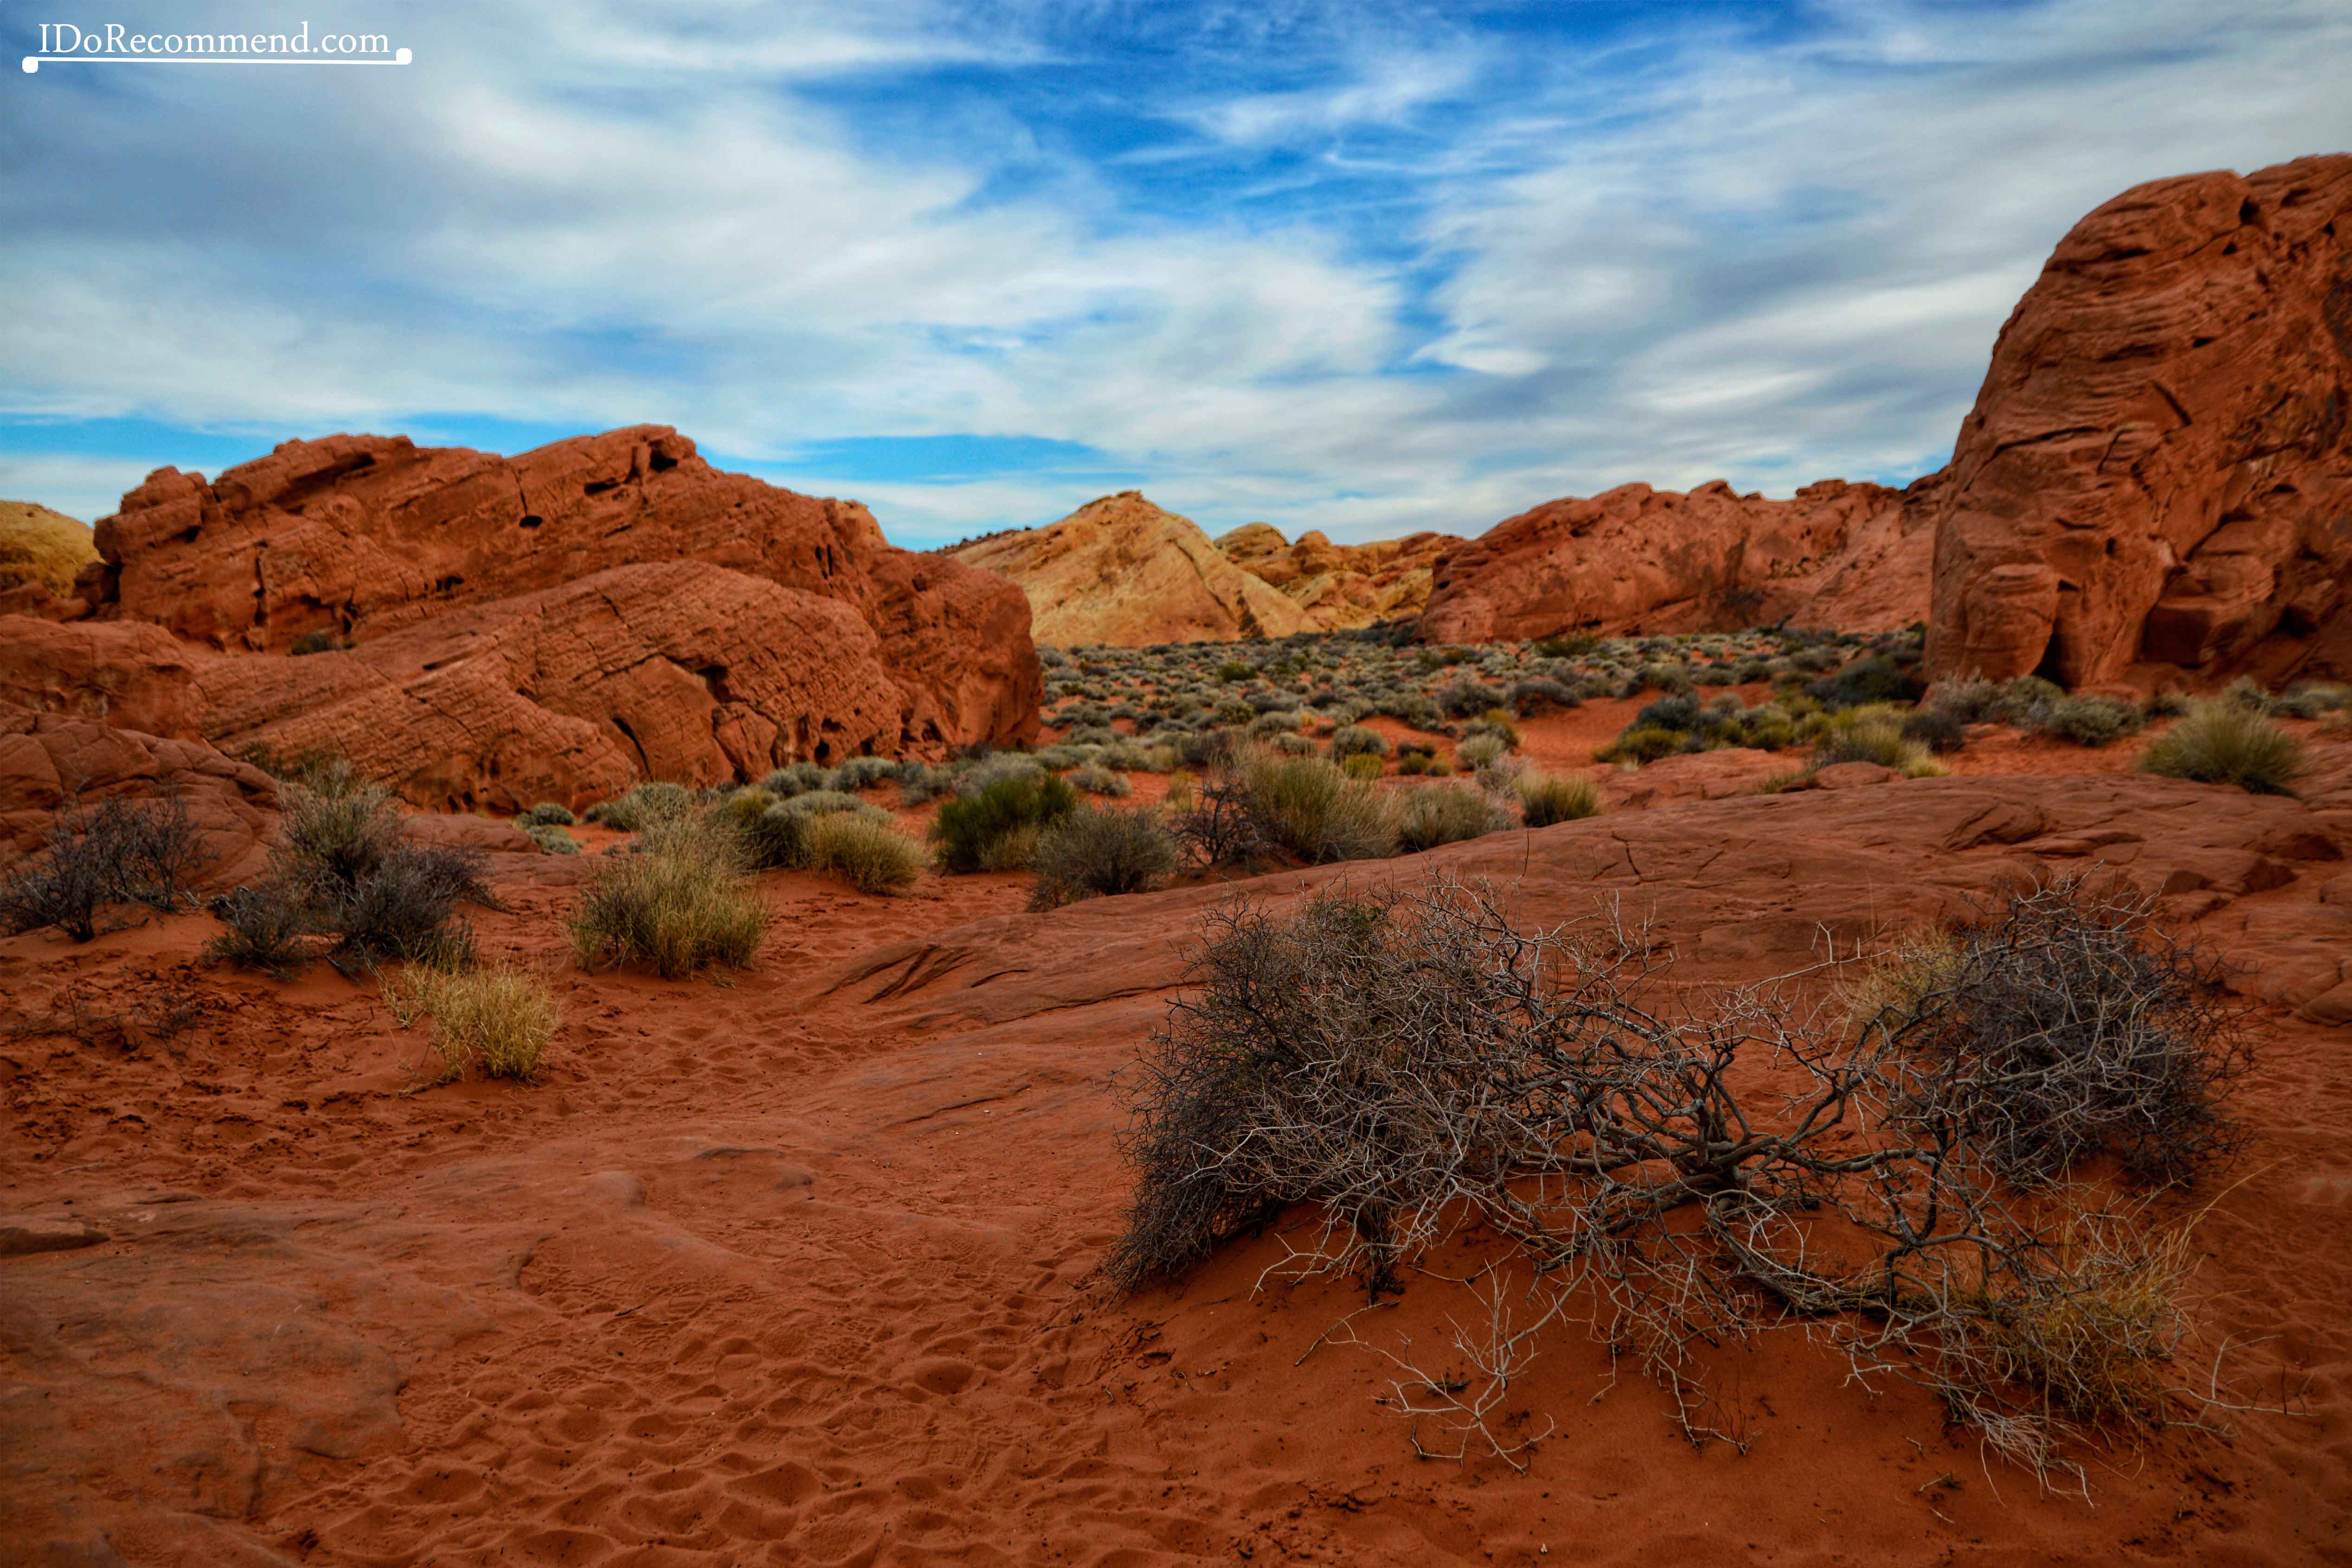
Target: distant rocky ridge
(1340, 587)
(484, 630)
(1121, 571)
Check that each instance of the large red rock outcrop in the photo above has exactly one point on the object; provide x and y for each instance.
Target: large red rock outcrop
(1637, 560)
(49, 761)
(123, 673)
(356, 537)
(1340, 587)
(680, 670)
(2158, 468)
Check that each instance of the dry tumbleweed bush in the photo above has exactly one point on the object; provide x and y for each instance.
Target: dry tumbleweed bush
(1684, 1168)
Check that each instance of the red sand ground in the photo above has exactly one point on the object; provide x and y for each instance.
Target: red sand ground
(798, 1266)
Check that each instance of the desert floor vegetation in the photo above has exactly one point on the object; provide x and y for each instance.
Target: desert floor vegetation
(346, 883)
(492, 1020)
(96, 860)
(682, 902)
(1954, 1172)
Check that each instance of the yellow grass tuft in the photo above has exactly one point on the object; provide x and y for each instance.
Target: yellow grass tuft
(497, 1020)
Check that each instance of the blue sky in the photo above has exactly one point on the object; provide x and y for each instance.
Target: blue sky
(1363, 266)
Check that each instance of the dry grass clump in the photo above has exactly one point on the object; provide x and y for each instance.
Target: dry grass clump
(38, 545)
(871, 855)
(1430, 815)
(1414, 1068)
(1309, 808)
(1548, 798)
(2228, 742)
(496, 1020)
(683, 904)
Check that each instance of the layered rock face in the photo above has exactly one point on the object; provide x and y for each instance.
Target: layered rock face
(1340, 587)
(124, 673)
(2158, 468)
(1122, 572)
(50, 760)
(1637, 560)
(672, 670)
(357, 536)
(500, 631)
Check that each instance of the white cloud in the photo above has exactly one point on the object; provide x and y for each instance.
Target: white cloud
(1669, 259)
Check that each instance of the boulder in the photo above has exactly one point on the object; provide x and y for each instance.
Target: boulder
(354, 537)
(1636, 560)
(682, 670)
(1120, 571)
(48, 761)
(1340, 587)
(2157, 471)
(123, 673)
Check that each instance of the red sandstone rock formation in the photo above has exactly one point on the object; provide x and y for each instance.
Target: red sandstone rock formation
(356, 537)
(48, 761)
(680, 670)
(125, 674)
(1853, 556)
(2158, 468)
(1340, 587)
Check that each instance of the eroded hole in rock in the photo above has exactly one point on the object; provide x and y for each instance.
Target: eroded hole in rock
(598, 486)
(662, 461)
(532, 519)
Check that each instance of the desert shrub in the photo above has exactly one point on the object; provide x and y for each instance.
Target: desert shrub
(644, 806)
(1529, 698)
(1410, 1065)
(496, 1020)
(2310, 699)
(1547, 799)
(1207, 749)
(2064, 1027)
(548, 814)
(310, 642)
(1941, 731)
(2090, 720)
(996, 829)
(337, 835)
(1497, 722)
(862, 772)
(797, 778)
(1362, 765)
(404, 909)
(868, 853)
(1291, 745)
(2226, 742)
(1477, 750)
(1466, 695)
(1567, 645)
(1234, 669)
(682, 905)
(1355, 741)
(1877, 678)
(919, 782)
(1642, 744)
(1096, 779)
(1095, 852)
(262, 929)
(1414, 760)
(1308, 807)
(2169, 703)
(95, 858)
(1880, 740)
(1278, 721)
(1217, 823)
(551, 839)
(1431, 815)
